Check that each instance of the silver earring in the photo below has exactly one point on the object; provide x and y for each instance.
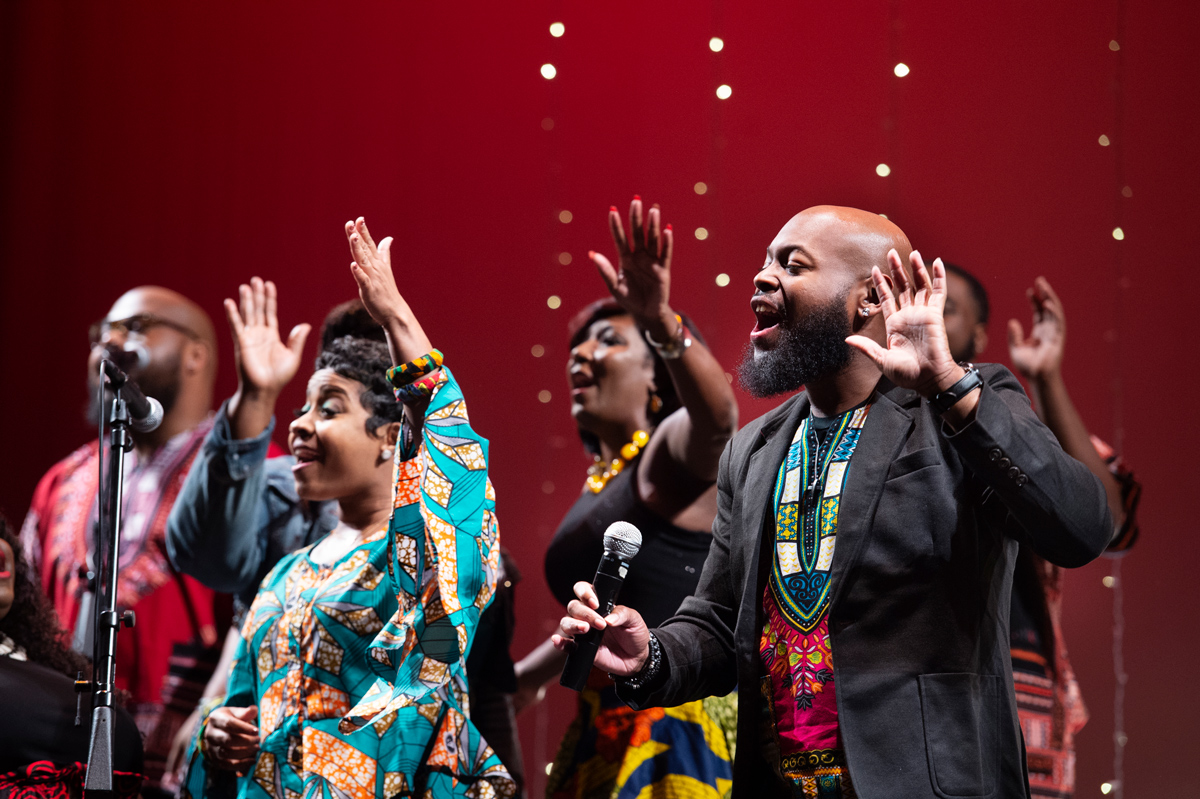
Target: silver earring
(865, 312)
(387, 454)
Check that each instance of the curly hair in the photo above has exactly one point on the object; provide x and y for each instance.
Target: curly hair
(664, 386)
(365, 361)
(31, 621)
(350, 318)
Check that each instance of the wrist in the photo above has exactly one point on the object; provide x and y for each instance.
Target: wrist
(942, 380)
(662, 326)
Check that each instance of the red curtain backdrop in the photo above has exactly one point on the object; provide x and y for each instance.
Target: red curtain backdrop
(195, 145)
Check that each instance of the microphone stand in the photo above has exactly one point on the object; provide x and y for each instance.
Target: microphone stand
(107, 622)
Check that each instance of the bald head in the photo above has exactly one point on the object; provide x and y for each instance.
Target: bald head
(847, 238)
(169, 305)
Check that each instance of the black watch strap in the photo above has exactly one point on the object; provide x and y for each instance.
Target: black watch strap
(947, 399)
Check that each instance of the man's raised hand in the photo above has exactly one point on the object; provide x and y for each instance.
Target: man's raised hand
(264, 362)
(917, 354)
(626, 642)
(641, 280)
(1041, 354)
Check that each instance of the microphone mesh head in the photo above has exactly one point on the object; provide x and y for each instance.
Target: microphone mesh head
(622, 539)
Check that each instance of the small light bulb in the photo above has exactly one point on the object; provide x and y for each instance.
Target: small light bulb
(1118, 234)
(1104, 142)
(701, 233)
(883, 170)
(557, 29)
(565, 217)
(1127, 192)
(553, 301)
(724, 92)
(543, 395)
(716, 45)
(1114, 45)
(728, 378)
(547, 488)
(548, 71)
(1106, 788)
(1108, 581)
(901, 70)
(884, 216)
(537, 350)
(722, 280)
(564, 258)
(547, 124)
(548, 767)
(701, 187)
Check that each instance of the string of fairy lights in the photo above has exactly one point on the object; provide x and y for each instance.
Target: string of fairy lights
(561, 216)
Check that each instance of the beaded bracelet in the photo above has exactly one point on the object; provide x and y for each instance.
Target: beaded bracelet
(406, 373)
(648, 671)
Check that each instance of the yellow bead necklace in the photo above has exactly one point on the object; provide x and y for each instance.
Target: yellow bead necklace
(600, 472)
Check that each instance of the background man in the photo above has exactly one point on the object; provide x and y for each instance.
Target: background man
(1049, 703)
(925, 476)
(165, 343)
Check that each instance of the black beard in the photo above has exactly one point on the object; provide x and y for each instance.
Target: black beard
(160, 380)
(813, 348)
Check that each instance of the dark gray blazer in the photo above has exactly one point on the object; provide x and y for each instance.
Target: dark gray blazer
(929, 528)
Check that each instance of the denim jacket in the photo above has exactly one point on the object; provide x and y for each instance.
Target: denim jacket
(238, 513)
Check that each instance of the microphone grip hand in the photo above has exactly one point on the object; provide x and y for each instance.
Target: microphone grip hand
(623, 644)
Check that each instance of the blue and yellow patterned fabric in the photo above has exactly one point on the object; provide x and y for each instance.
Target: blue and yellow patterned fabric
(358, 667)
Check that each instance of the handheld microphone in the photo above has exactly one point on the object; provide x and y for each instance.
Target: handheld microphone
(145, 413)
(621, 542)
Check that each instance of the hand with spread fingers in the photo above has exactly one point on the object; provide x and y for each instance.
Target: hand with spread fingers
(231, 738)
(626, 643)
(264, 362)
(1040, 355)
(917, 354)
(372, 270)
(641, 280)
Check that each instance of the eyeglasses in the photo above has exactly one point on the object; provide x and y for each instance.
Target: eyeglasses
(138, 324)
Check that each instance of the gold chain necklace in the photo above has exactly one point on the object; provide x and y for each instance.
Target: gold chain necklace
(600, 472)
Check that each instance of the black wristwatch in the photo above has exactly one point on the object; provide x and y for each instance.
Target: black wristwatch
(945, 400)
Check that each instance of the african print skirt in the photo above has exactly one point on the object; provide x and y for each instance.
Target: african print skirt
(611, 751)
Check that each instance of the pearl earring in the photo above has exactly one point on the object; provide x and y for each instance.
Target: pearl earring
(387, 454)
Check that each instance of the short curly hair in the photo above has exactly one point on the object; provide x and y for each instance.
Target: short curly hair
(31, 621)
(365, 361)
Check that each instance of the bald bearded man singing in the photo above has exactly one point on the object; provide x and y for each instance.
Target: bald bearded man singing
(857, 588)
(166, 343)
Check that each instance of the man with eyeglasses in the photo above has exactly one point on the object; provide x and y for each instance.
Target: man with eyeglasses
(166, 343)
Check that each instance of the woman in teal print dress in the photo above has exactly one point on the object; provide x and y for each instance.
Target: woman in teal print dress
(350, 680)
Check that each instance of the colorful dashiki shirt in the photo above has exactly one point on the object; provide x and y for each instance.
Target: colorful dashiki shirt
(1049, 704)
(358, 668)
(176, 615)
(795, 647)
(611, 751)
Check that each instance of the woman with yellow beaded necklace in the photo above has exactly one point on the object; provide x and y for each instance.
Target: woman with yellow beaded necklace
(655, 410)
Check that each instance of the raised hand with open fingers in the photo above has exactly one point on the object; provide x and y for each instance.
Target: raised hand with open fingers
(641, 280)
(372, 270)
(264, 362)
(917, 354)
(1041, 353)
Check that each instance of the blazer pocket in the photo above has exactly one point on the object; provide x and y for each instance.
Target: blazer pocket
(961, 714)
(913, 461)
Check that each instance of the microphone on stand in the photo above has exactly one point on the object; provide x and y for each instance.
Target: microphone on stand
(621, 542)
(145, 413)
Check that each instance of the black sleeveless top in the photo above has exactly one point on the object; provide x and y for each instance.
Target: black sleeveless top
(663, 573)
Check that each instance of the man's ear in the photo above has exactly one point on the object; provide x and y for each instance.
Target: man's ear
(196, 357)
(980, 339)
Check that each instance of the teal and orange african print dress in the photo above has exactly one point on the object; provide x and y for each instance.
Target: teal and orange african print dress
(358, 667)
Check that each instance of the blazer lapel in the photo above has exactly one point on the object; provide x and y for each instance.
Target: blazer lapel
(888, 426)
(759, 487)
